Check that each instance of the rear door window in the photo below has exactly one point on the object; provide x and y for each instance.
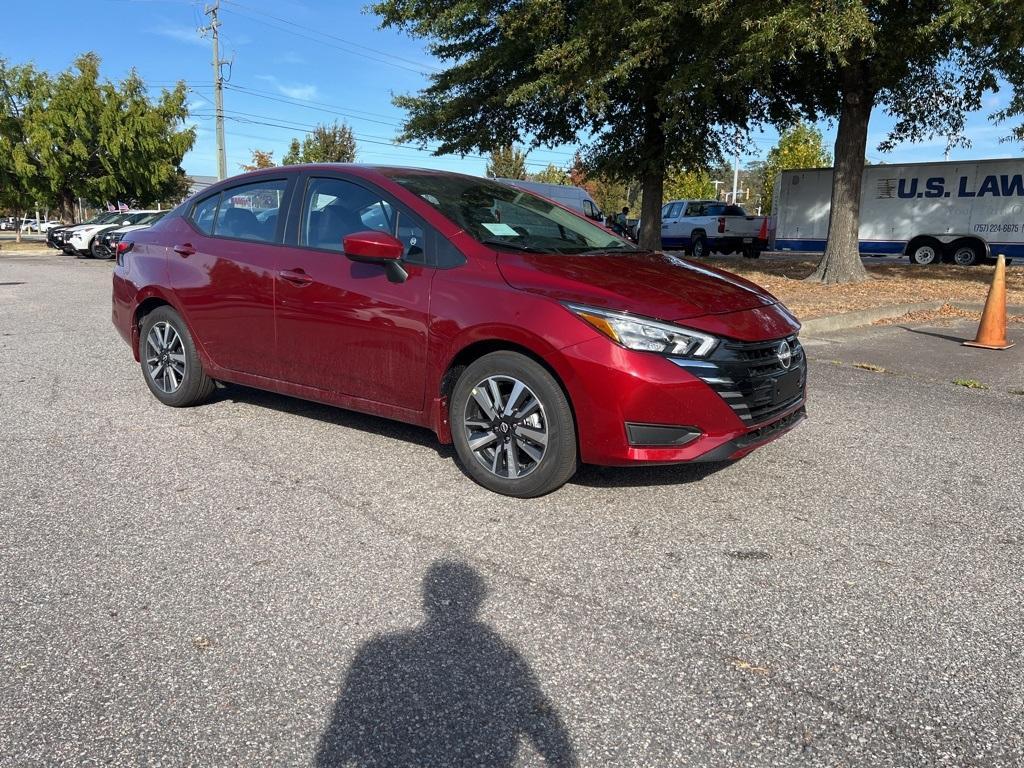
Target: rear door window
(204, 213)
(250, 212)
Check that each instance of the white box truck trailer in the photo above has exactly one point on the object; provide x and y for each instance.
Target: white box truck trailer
(963, 212)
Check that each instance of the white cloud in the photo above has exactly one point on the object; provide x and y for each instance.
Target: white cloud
(303, 91)
(181, 34)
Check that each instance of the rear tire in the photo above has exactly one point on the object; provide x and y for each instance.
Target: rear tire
(699, 246)
(751, 253)
(170, 364)
(966, 255)
(512, 426)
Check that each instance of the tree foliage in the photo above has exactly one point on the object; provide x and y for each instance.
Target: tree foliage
(925, 62)
(799, 146)
(508, 162)
(550, 175)
(74, 136)
(689, 185)
(334, 143)
(21, 179)
(261, 158)
(548, 71)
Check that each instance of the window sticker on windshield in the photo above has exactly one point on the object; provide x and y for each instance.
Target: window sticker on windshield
(496, 228)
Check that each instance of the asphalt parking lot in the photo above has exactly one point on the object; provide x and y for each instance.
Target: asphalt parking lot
(262, 581)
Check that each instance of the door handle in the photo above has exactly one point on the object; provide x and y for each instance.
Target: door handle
(296, 277)
(185, 250)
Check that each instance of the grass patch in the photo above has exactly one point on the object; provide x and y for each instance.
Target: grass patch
(870, 367)
(970, 383)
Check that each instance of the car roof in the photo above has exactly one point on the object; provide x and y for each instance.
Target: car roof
(365, 170)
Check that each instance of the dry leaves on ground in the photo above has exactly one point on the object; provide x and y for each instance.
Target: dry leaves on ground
(889, 284)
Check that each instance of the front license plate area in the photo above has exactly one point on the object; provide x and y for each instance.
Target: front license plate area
(787, 386)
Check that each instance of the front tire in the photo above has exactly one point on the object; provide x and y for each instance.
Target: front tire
(94, 249)
(925, 254)
(170, 363)
(512, 426)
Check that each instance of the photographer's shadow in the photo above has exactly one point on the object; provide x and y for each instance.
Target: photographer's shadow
(449, 693)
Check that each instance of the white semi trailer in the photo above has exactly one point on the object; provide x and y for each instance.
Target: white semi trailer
(963, 212)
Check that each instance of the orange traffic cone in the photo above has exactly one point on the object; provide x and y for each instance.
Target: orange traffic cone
(992, 329)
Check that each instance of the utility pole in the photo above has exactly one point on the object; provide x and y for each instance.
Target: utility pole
(218, 84)
(736, 171)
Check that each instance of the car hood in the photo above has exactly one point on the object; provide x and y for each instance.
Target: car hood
(650, 283)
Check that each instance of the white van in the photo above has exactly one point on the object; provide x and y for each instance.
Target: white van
(571, 197)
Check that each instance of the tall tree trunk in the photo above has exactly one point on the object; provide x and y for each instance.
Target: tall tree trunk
(841, 262)
(653, 183)
(652, 176)
(67, 207)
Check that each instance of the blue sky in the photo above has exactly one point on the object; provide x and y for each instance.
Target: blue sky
(300, 62)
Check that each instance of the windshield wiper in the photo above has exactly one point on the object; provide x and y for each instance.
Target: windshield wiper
(516, 246)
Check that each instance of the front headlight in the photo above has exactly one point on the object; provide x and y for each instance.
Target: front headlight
(646, 335)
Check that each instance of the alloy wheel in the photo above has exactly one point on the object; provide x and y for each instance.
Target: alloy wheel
(506, 427)
(165, 357)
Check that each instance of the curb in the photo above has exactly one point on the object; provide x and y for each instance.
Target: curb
(820, 325)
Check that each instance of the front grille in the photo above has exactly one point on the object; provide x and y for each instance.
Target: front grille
(746, 375)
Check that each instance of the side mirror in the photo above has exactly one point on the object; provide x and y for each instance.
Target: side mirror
(377, 247)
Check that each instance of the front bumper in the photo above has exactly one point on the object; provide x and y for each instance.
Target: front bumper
(733, 404)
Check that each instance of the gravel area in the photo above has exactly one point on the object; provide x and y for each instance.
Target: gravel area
(263, 581)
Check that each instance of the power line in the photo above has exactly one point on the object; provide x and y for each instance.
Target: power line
(270, 122)
(378, 58)
(344, 112)
(342, 40)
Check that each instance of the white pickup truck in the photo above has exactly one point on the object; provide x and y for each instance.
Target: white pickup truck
(701, 227)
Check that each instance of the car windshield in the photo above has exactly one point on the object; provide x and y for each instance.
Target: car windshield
(503, 216)
(151, 218)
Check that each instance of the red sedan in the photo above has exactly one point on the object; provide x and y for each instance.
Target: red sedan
(527, 335)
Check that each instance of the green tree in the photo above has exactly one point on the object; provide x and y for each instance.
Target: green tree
(507, 162)
(548, 71)
(926, 62)
(800, 146)
(141, 144)
(689, 185)
(334, 143)
(103, 141)
(260, 159)
(21, 182)
(550, 175)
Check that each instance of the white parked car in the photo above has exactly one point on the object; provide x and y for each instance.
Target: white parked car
(81, 241)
